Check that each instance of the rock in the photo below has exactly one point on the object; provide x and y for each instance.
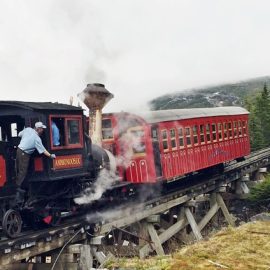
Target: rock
(262, 216)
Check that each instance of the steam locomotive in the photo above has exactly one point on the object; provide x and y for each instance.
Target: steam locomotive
(141, 149)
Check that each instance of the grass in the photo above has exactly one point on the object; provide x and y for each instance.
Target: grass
(244, 248)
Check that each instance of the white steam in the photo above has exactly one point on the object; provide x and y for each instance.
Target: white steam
(129, 143)
(104, 182)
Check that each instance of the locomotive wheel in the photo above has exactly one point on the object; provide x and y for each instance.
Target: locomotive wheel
(12, 223)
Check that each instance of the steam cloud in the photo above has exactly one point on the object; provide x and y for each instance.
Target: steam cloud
(104, 182)
(107, 178)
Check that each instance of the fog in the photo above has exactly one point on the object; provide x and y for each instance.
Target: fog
(51, 49)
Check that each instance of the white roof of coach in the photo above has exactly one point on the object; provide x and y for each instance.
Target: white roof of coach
(180, 114)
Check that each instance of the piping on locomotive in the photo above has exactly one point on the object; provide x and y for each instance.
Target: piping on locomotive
(142, 149)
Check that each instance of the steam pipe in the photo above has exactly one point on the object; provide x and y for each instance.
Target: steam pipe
(95, 97)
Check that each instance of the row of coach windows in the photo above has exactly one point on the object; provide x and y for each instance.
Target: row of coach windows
(188, 136)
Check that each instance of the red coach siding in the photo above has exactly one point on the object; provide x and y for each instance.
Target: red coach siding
(194, 157)
(193, 153)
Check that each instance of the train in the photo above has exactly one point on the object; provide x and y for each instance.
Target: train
(142, 149)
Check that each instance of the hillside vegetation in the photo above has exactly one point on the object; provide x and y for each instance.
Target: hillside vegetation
(253, 94)
(244, 248)
(220, 95)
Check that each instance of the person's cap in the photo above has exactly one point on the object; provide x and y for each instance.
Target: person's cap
(39, 125)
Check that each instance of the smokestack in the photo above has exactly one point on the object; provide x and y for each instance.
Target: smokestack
(95, 97)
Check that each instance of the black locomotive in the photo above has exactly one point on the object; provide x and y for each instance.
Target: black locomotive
(51, 185)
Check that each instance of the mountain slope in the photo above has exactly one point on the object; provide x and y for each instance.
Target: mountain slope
(220, 95)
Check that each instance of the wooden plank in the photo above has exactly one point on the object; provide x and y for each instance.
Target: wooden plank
(193, 224)
(163, 237)
(155, 239)
(41, 247)
(86, 258)
(225, 210)
(144, 213)
(39, 266)
(213, 210)
(143, 234)
(99, 255)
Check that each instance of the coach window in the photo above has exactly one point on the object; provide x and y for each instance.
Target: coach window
(173, 140)
(235, 129)
(164, 139)
(195, 135)
(225, 126)
(107, 131)
(202, 134)
(214, 132)
(219, 131)
(188, 138)
(240, 129)
(230, 130)
(181, 138)
(154, 133)
(137, 139)
(244, 128)
(208, 137)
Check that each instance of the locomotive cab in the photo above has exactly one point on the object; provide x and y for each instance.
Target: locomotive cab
(46, 177)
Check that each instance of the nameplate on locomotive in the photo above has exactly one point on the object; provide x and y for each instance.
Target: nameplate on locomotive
(67, 162)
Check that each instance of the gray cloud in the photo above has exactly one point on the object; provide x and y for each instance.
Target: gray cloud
(50, 49)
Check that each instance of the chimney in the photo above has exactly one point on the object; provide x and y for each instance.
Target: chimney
(95, 96)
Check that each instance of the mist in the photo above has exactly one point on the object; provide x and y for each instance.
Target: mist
(50, 49)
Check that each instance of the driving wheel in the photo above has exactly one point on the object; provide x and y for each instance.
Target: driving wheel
(12, 223)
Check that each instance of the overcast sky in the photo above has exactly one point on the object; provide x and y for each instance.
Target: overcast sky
(140, 49)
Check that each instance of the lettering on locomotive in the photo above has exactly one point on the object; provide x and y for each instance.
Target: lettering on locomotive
(66, 162)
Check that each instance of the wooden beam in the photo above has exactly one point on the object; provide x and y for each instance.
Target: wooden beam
(193, 224)
(163, 237)
(137, 216)
(155, 239)
(225, 211)
(41, 247)
(86, 258)
(213, 210)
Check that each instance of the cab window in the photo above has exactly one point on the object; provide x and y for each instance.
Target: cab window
(73, 131)
(66, 131)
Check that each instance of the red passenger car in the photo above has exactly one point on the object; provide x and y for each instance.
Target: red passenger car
(164, 145)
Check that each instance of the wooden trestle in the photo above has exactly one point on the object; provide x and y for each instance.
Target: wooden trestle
(142, 230)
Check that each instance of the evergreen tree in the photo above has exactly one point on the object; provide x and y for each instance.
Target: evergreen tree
(259, 124)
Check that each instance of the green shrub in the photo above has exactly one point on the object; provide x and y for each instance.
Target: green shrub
(261, 192)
